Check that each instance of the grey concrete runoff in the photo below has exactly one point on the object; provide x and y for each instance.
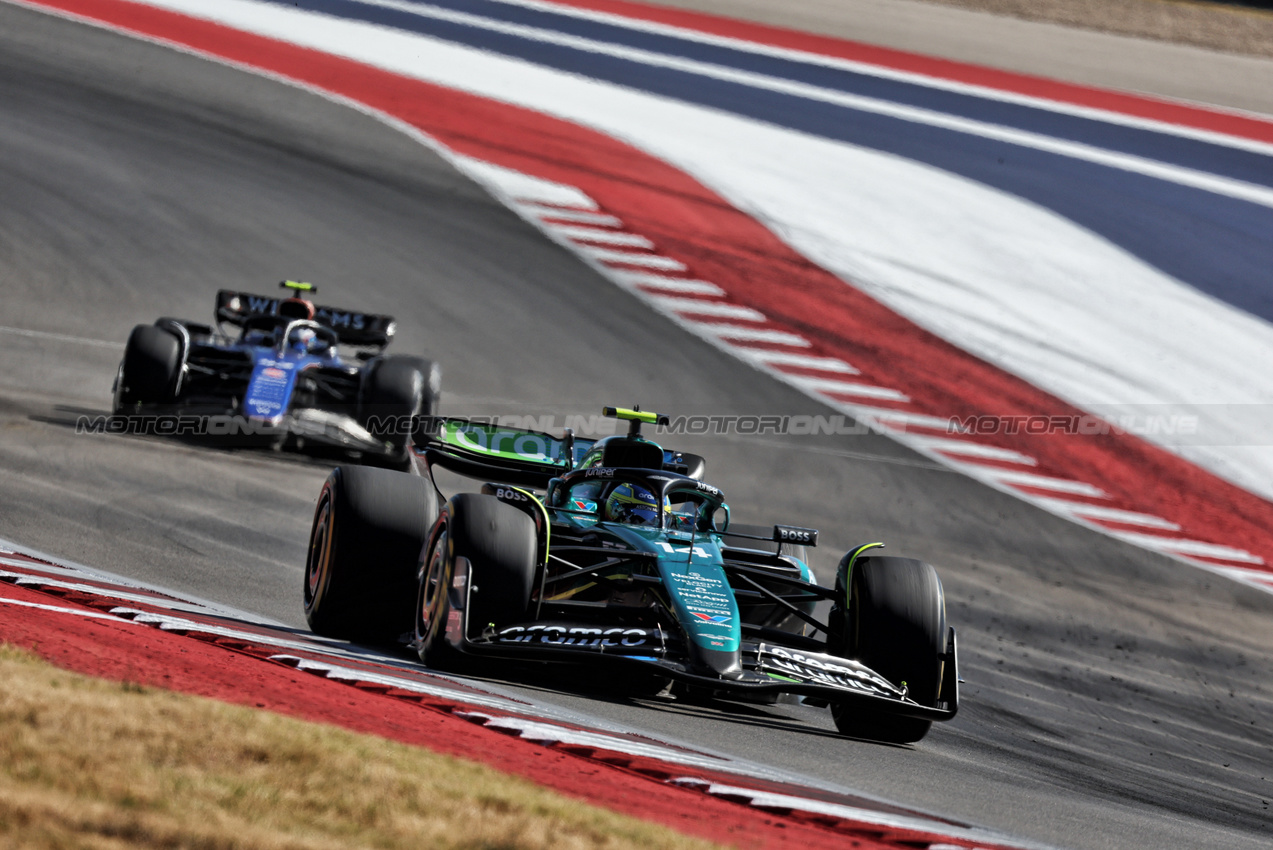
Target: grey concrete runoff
(1042, 49)
(1114, 699)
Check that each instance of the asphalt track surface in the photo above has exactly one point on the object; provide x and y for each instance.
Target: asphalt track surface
(1113, 698)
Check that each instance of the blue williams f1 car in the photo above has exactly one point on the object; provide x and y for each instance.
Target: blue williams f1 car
(280, 374)
(616, 552)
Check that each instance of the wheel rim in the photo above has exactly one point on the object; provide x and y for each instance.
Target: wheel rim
(433, 589)
(318, 566)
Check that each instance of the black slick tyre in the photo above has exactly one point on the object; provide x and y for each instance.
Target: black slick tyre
(499, 543)
(369, 528)
(896, 625)
(400, 394)
(148, 373)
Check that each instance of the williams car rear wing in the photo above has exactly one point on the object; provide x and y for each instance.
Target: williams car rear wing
(354, 329)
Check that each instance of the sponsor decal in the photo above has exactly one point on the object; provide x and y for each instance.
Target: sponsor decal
(824, 671)
(795, 534)
(699, 551)
(487, 439)
(507, 494)
(600, 472)
(580, 637)
(270, 389)
(706, 601)
(257, 304)
(336, 320)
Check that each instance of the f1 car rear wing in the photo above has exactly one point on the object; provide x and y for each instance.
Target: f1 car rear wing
(498, 453)
(355, 329)
(520, 456)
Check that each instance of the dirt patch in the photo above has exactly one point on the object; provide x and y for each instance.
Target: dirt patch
(1214, 26)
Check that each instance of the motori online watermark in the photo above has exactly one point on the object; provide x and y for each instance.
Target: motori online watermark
(1200, 424)
(1083, 425)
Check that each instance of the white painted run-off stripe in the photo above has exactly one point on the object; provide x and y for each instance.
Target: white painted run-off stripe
(1100, 512)
(653, 261)
(679, 285)
(966, 448)
(827, 386)
(604, 237)
(578, 216)
(745, 334)
(781, 359)
(898, 420)
(1040, 482)
(1180, 175)
(863, 391)
(702, 307)
(1185, 546)
(915, 78)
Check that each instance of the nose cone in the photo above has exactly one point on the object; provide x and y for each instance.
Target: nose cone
(722, 663)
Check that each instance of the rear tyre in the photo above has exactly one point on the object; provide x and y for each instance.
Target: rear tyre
(148, 373)
(364, 549)
(499, 543)
(896, 625)
(401, 390)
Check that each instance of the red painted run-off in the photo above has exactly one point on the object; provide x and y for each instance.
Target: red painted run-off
(68, 623)
(718, 243)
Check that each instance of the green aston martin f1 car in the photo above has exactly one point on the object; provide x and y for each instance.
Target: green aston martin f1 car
(616, 552)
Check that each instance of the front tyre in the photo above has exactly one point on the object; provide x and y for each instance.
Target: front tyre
(364, 546)
(148, 373)
(896, 625)
(491, 544)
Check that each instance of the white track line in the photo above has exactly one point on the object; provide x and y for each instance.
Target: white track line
(57, 609)
(79, 340)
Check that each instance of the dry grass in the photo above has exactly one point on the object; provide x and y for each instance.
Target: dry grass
(1231, 29)
(86, 763)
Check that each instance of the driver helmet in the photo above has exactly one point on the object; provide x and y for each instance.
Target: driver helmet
(302, 340)
(634, 505)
